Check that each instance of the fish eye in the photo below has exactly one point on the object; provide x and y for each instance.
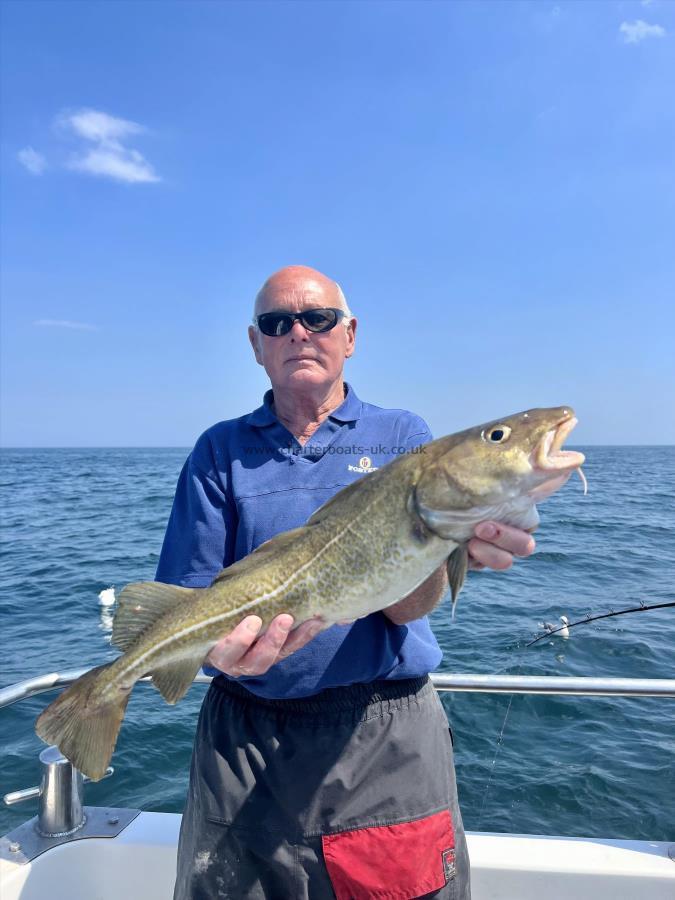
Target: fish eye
(497, 435)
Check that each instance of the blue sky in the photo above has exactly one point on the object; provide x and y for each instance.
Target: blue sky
(491, 183)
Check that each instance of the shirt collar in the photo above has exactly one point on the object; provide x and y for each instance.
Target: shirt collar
(263, 415)
(350, 408)
(348, 411)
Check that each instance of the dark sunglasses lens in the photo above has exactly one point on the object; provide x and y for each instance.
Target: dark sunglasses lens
(275, 324)
(316, 320)
(319, 319)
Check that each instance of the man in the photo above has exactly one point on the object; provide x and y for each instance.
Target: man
(322, 765)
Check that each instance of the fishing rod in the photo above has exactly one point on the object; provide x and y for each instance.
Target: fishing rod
(643, 607)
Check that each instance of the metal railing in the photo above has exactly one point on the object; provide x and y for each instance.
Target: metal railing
(61, 812)
(559, 685)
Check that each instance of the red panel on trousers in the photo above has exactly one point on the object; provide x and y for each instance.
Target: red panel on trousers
(391, 862)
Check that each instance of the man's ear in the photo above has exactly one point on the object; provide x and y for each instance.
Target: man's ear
(254, 338)
(351, 337)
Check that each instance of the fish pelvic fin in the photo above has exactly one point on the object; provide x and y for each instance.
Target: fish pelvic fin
(82, 726)
(174, 680)
(457, 567)
(140, 605)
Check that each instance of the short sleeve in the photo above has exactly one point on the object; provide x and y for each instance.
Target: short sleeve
(199, 539)
(414, 432)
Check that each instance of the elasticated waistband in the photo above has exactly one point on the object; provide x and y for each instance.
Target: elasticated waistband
(391, 694)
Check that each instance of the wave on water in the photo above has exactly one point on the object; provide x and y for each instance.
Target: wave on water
(78, 522)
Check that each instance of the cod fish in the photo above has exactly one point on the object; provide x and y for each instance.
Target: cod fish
(366, 548)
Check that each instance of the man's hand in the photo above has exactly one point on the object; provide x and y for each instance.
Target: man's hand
(495, 544)
(241, 653)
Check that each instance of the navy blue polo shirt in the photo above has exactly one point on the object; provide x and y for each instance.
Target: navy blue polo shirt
(248, 479)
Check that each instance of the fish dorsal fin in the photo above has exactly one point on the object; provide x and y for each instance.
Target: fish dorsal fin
(345, 495)
(276, 544)
(140, 605)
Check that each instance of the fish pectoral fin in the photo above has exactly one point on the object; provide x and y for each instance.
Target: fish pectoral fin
(173, 680)
(140, 605)
(457, 566)
(83, 727)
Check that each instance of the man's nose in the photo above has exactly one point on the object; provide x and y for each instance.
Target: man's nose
(298, 332)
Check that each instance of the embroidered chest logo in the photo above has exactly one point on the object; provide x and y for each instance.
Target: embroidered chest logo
(365, 465)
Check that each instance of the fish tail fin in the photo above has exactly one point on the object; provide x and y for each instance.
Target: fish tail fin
(83, 726)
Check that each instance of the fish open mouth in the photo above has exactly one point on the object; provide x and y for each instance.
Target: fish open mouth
(549, 453)
(551, 458)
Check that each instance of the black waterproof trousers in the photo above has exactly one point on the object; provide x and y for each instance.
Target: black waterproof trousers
(349, 794)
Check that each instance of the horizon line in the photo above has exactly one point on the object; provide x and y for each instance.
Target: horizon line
(189, 447)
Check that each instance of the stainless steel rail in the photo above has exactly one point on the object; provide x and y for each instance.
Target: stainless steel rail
(556, 684)
(485, 684)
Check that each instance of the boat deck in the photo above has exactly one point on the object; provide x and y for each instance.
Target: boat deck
(139, 864)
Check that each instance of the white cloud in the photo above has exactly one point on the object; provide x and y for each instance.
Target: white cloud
(634, 32)
(65, 323)
(32, 160)
(109, 157)
(115, 162)
(99, 126)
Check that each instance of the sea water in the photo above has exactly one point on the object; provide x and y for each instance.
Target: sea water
(76, 521)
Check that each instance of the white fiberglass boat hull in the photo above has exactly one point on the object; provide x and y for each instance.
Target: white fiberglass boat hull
(141, 861)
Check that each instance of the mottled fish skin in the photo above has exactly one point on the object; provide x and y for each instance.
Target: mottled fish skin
(367, 548)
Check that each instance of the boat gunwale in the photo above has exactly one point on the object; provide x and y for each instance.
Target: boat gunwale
(552, 685)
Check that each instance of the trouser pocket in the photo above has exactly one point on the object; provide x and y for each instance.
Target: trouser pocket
(402, 861)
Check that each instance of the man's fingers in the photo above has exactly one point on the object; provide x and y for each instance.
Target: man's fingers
(302, 635)
(514, 540)
(265, 652)
(230, 649)
(487, 555)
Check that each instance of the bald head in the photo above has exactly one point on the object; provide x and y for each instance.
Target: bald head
(299, 283)
(304, 366)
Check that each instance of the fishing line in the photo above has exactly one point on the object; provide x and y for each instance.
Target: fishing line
(643, 607)
(500, 739)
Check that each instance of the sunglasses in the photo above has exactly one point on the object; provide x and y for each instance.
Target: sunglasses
(275, 324)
